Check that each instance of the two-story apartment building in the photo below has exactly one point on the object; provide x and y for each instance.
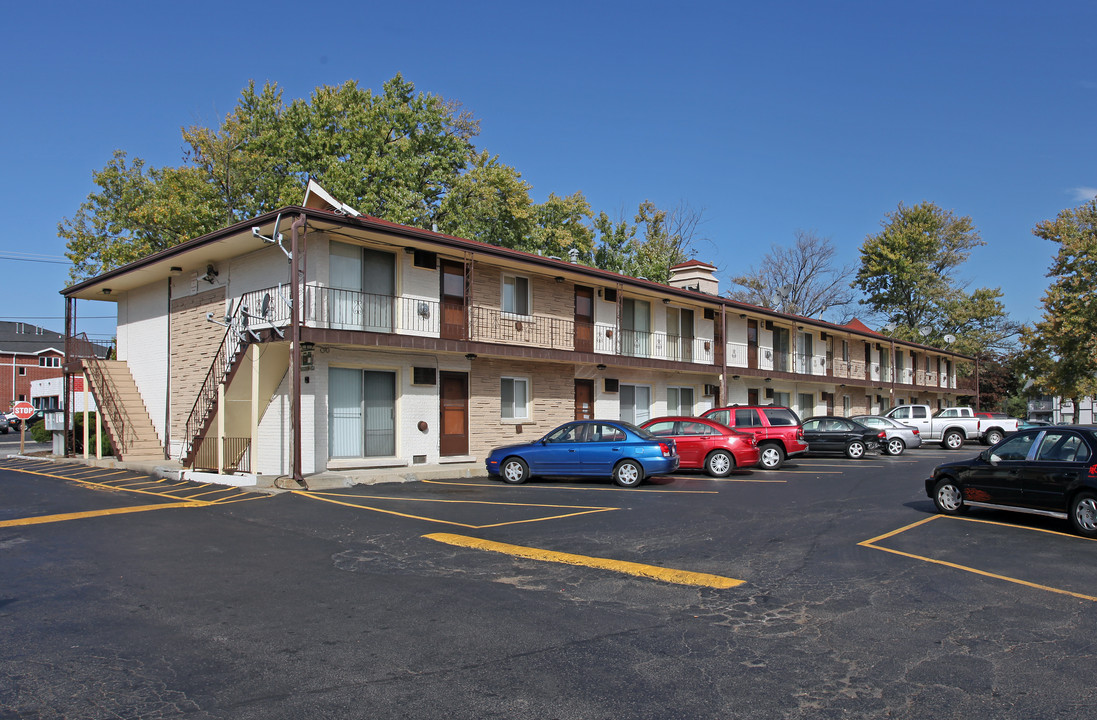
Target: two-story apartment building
(311, 339)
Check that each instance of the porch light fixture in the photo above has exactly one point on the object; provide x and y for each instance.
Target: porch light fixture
(409, 250)
(470, 356)
(211, 274)
(666, 301)
(559, 279)
(767, 379)
(600, 366)
(106, 291)
(742, 316)
(175, 270)
(734, 377)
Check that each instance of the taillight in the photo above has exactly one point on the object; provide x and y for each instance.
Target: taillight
(882, 435)
(915, 431)
(666, 449)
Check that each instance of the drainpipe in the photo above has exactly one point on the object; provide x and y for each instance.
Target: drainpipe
(977, 383)
(723, 355)
(295, 352)
(66, 375)
(167, 383)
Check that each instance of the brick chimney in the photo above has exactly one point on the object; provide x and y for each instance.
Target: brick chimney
(695, 275)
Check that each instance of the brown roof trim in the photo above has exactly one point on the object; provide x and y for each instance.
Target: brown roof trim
(371, 223)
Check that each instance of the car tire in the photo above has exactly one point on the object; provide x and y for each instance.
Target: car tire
(719, 464)
(1083, 514)
(514, 471)
(855, 450)
(628, 473)
(771, 456)
(952, 440)
(993, 437)
(948, 498)
(895, 447)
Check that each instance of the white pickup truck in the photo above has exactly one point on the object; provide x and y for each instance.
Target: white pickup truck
(952, 427)
(995, 426)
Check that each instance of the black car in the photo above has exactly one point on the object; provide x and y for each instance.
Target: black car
(15, 424)
(1045, 471)
(829, 433)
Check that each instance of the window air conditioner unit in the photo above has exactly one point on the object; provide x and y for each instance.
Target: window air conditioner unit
(612, 385)
(712, 389)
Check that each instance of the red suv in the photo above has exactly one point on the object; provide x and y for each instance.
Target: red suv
(777, 430)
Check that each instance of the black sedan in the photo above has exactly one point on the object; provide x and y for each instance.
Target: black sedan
(1044, 471)
(829, 433)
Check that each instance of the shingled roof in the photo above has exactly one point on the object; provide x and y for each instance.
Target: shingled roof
(26, 339)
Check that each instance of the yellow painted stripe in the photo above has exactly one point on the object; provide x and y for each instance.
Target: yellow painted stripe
(590, 511)
(42, 519)
(956, 566)
(164, 494)
(669, 575)
(570, 487)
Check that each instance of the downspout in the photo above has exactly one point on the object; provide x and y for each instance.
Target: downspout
(723, 355)
(977, 383)
(66, 383)
(167, 383)
(295, 353)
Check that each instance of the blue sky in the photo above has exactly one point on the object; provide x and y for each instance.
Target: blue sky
(771, 117)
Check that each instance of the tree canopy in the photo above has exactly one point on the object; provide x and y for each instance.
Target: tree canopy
(907, 275)
(1060, 349)
(400, 155)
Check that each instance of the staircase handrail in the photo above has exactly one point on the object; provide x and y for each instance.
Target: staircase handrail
(105, 392)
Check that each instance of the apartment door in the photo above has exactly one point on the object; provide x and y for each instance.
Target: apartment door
(752, 343)
(752, 396)
(584, 319)
(584, 399)
(454, 326)
(454, 436)
(363, 285)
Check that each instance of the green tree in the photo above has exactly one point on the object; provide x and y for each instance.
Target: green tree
(489, 203)
(666, 240)
(1061, 348)
(616, 240)
(562, 224)
(907, 273)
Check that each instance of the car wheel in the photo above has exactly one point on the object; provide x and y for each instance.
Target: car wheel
(855, 450)
(515, 471)
(1083, 514)
(771, 456)
(952, 440)
(948, 498)
(628, 473)
(895, 446)
(719, 464)
(993, 437)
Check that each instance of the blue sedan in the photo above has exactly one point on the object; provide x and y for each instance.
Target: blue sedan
(599, 448)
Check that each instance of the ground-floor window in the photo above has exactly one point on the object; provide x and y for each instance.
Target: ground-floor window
(362, 413)
(807, 405)
(781, 398)
(635, 403)
(847, 406)
(679, 401)
(514, 398)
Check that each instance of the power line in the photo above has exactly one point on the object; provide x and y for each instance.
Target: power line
(54, 262)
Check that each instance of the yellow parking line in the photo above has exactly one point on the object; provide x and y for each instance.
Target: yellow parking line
(669, 575)
(327, 497)
(984, 573)
(42, 519)
(571, 487)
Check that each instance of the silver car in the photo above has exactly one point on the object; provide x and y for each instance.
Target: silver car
(899, 436)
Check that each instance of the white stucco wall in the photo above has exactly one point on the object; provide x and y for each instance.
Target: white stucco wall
(143, 345)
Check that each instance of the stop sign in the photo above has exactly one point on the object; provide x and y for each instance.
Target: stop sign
(23, 410)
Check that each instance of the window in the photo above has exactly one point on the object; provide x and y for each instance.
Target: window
(679, 401)
(47, 362)
(635, 327)
(847, 406)
(845, 350)
(807, 404)
(362, 413)
(680, 334)
(697, 428)
(781, 417)
(1016, 448)
(516, 295)
(1063, 447)
(363, 283)
(425, 259)
(635, 404)
(22, 371)
(747, 418)
(514, 398)
(662, 429)
(781, 398)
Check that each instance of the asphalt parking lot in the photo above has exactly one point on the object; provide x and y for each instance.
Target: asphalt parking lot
(828, 588)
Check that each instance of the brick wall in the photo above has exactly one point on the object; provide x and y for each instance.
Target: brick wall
(28, 364)
(552, 402)
(194, 342)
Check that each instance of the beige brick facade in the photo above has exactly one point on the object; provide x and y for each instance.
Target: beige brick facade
(194, 343)
(552, 402)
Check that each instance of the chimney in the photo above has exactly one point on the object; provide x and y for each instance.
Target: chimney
(695, 275)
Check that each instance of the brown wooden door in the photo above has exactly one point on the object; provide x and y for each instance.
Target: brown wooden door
(584, 319)
(453, 300)
(584, 399)
(454, 436)
(752, 343)
(752, 396)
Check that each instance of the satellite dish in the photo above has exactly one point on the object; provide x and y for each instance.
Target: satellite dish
(264, 310)
(950, 339)
(924, 331)
(889, 327)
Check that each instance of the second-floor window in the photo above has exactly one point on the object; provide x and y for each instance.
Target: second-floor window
(49, 362)
(516, 295)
